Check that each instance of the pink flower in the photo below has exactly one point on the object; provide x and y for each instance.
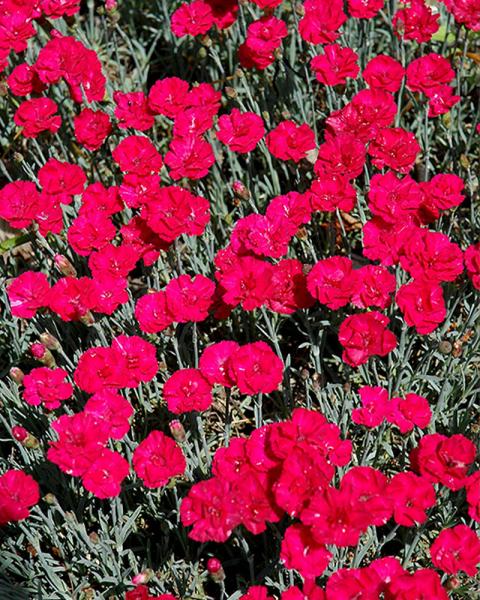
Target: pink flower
(456, 549)
(28, 293)
(321, 21)
(132, 110)
(37, 115)
(407, 412)
(46, 386)
(157, 459)
(209, 507)
(289, 141)
(214, 362)
(187, 390)
(18, 493)
(81, 440)
(92, 128)
(241, 132)
(472, 264)
(335, 65)
(255, 369)
(168, 96)
(411, 496)
(332, 281)
(104, 477)
(192, 18)
(19, 203)
(384, 73)
(113, 410)
(365, 335)
(189, 156)
(374, 406)
(300, 551)
(189, 298)
(445, 460)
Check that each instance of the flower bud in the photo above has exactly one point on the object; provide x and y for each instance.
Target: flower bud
(49, 341)
(42, 354)
(453, 583)
(88, 319)
(143, 577)
(240, 190)
(19, 433)
(64, 266)
(177, 430)
(215, 570)
(17, 375)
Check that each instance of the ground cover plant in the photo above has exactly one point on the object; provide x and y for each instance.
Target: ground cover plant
(240, 317)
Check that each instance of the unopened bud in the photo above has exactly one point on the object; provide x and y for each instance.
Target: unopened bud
(231, 92)
(17, 375)
(240, 190)
(215, 570)
(143, 577)
(64, 266)
(50, 499)
(19, 433)
(88, 319)
(177, 430)
(49, 341)
(453, 583)
(42, 354)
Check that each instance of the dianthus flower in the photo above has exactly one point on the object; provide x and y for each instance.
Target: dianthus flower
(365, 335)
(187, 390)
(189, 298)
(445, 460)
(241, 132)
(332, 281)
(214, 362)
(456, 549)
(132, 111)
(105, 475)
(81, 439)
(411, 496)
(18, 493)
(113, 410)
(157, 459)
(405, 413)
(394, 148)
(472, 264)
(289, 141)
(19, 203)
(384, 73)
(255, 369)
(431, 256)
(300, 551)
(374, 406)
(416, 22)
(427, 73)
(422, 305)
(335, 65)
(168, 96)
(189, 156)
(28, 293)
(46, 386)
(321, 21)
(341, 155)
(332, 192)
(194, 18)
(37, 115)
(210, 508)
(92, 127)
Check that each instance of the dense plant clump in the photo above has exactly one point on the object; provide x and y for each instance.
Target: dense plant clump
(240, 314)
